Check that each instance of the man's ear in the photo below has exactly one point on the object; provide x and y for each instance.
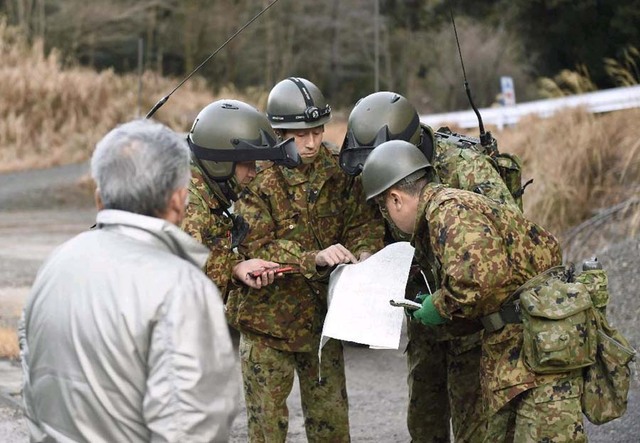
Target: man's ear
(177, 206)
(397, 198)
(98, 200)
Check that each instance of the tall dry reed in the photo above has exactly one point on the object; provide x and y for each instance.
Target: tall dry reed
(583, 166)
(50, 115)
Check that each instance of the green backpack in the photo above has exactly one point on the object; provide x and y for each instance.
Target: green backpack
(565, 327)
(509, 166)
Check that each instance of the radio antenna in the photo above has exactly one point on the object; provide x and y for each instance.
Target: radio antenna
(485, 137)
(164, 99)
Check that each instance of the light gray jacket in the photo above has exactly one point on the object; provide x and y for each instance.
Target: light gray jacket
(124, 339)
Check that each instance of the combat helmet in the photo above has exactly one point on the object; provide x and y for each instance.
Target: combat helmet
(391, 162)
(296, 103)
(226, 132)
(377, 118)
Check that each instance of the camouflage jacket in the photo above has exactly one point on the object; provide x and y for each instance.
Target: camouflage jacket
(461, 168)
(293, 214)
(206, 221)
(481, 252)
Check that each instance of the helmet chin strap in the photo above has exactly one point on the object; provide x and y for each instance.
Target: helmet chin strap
(426, 145)
(225, 194)
(231, 188)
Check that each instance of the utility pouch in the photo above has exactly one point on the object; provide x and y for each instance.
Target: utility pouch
(559, 326)
(509, 167)
(596, 282)
(606, 383)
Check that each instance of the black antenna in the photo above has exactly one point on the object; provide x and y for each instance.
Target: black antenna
(164, 99)
(485, 137)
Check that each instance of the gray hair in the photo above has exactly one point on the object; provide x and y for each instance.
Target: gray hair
(138, 165)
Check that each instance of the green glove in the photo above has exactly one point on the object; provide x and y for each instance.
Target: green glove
(428, 314)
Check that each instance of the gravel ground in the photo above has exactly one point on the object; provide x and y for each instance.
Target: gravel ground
(33, 223)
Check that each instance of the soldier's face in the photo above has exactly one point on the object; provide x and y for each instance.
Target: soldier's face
(245, 172)
(402, 209)
(308, 142)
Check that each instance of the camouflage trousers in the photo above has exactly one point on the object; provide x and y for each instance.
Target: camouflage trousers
(268, 376)
(444, 386)
(550, 413)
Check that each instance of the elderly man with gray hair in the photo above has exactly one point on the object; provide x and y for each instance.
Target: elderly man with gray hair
(123, 338)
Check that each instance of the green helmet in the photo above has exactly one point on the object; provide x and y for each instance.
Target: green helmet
(389, 163)
(296, 103)
(375, 119)
(226, 132)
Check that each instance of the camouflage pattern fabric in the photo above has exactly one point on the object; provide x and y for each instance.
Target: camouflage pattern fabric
(444, 384)
(549, 413)
(597, 284)
(465, 168)
(560, 328)
(431, 350)
(268, 376)
(206, 222)
(428, 414)
(483, 251)
(607, 382)
(293, 214)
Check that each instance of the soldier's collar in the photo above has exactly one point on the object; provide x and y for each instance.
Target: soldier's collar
(221, 200)
(421, 225)
(324, 165)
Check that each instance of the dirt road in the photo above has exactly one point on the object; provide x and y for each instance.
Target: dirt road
(375, 379)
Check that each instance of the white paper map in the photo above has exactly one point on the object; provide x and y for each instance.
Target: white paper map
(359, 294)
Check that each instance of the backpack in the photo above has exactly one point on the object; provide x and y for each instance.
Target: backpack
(509, 166)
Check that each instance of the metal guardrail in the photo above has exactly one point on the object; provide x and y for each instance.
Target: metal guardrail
(607, 100)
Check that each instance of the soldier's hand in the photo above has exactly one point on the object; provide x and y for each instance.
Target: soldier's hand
(334, 255)
(242, 272)
(428, 314)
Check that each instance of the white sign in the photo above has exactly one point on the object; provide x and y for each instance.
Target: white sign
(508, 91)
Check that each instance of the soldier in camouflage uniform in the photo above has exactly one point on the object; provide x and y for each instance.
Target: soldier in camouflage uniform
(312, 218)
(226, 139)
(443, 362)
(481, 252)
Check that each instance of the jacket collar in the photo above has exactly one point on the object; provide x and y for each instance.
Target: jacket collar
(156, 231)
(323, 166)
(421, 225)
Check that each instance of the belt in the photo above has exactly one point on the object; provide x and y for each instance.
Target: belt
(508, 313)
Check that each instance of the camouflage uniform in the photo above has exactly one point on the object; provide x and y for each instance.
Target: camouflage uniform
(293, 214)
(206, 221)
(444, 367)
(481, 253)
